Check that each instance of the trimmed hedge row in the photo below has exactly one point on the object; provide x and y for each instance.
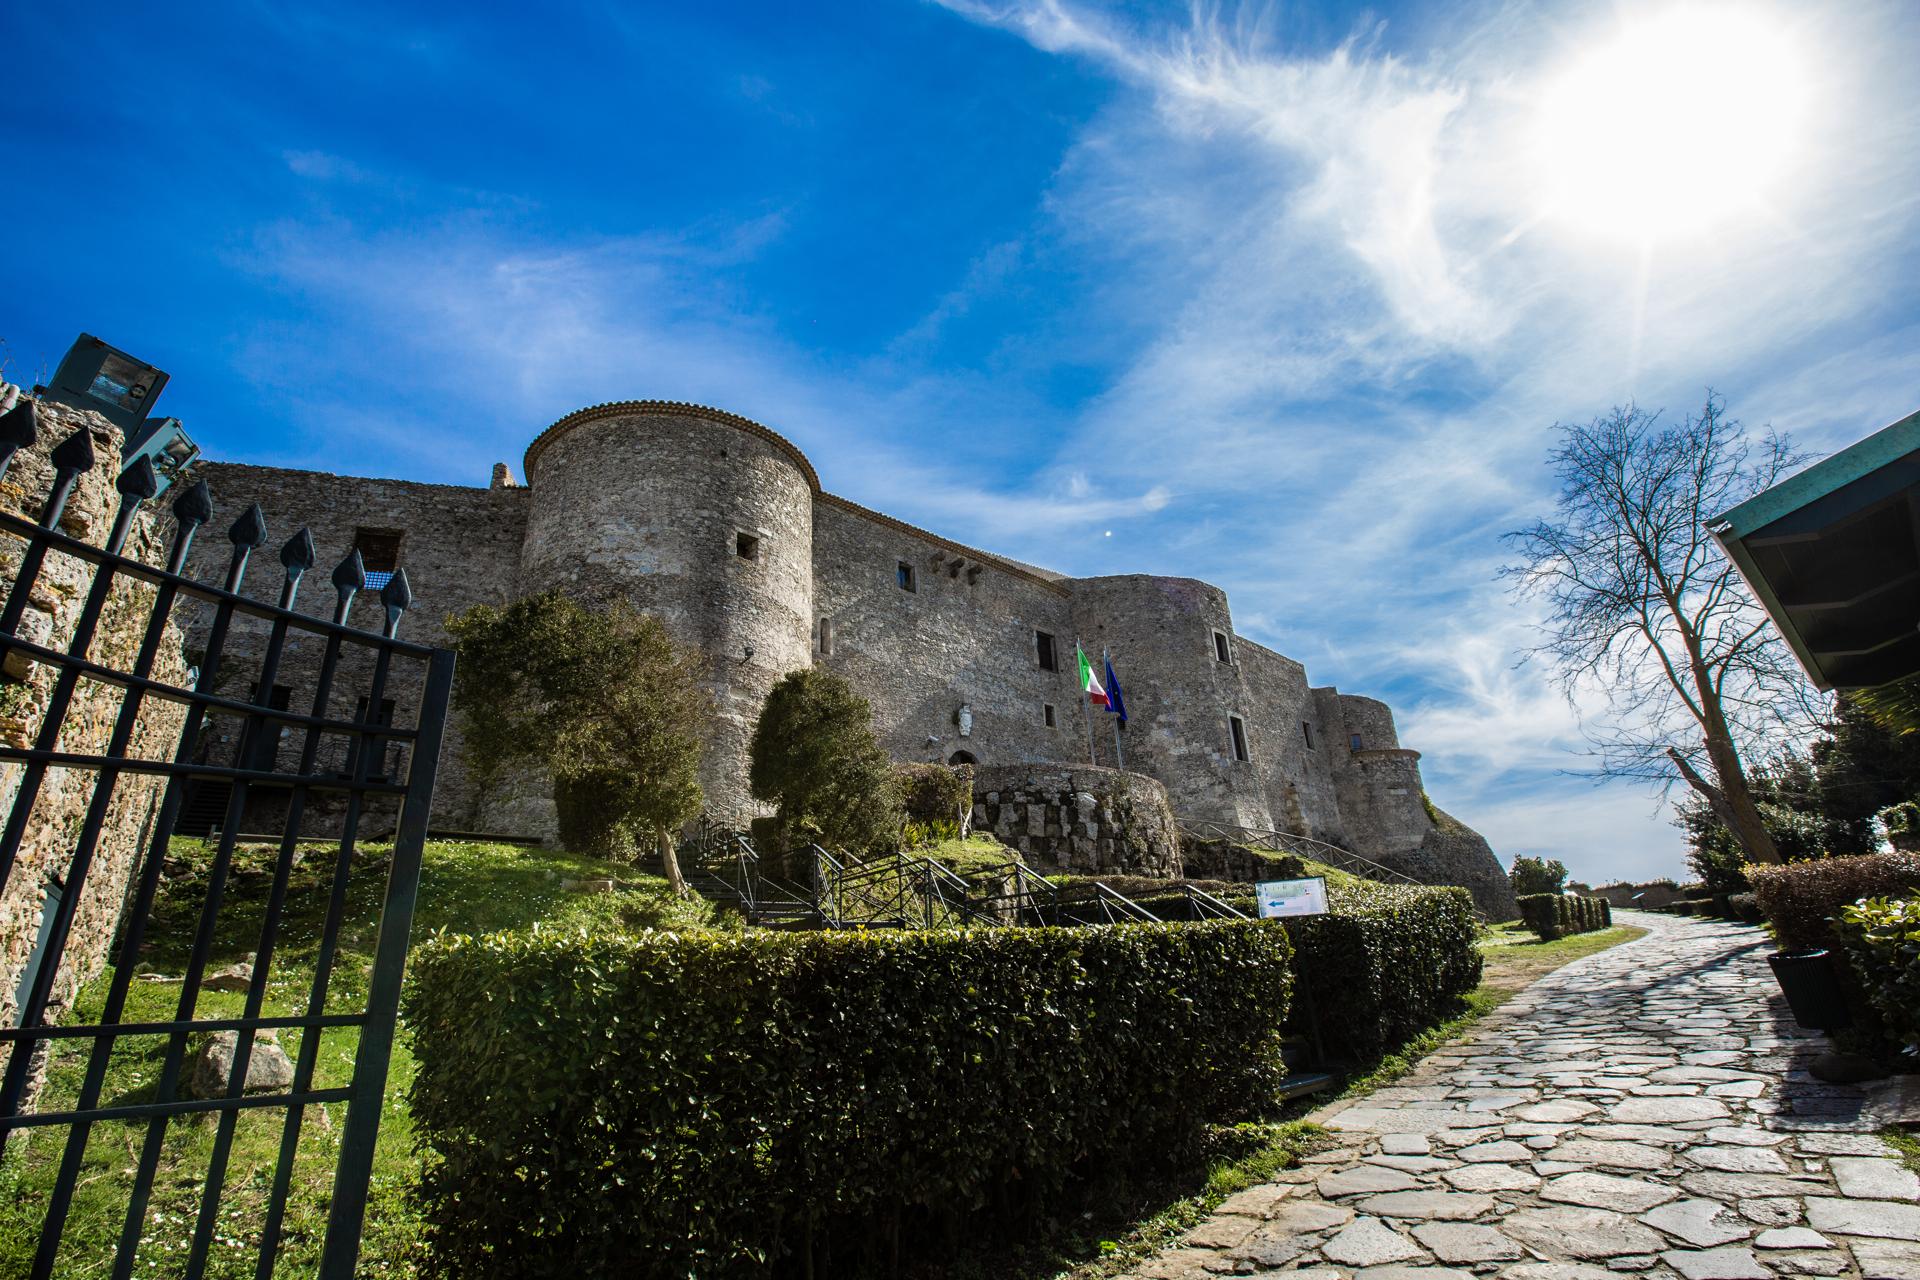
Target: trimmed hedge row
(1389, 962)
(704, 1104)
(1555, 915)
(1802, 899)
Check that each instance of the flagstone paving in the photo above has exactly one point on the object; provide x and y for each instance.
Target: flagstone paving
(1644, 1112)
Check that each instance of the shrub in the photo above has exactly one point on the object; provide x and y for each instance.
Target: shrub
(935, 793)
(604, 700)
(683, 1104)
(1801, 899)
(1555, 915)
(1537, 875)
(1390, 961)
(814, 754)
(1882, 938)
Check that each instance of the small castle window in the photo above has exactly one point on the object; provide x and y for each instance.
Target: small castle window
(1048, 712)
(905, 576)
(1049, 656)
(1239, 729)
(1353, 743)
(746, 546)
(1220, 649)
(826, 635)
(1306, 731)
(380, 552)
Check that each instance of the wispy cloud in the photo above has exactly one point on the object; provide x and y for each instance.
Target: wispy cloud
(1316, 324)
(1371, 326)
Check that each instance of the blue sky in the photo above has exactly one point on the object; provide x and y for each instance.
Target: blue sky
(1286, 298)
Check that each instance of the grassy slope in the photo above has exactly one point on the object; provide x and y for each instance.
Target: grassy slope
(463, 887)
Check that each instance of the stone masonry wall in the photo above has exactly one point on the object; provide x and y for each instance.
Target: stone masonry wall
(1180, 696)
(1081, 818)
(460, 547)
(720, 527)
(1294, 755)
(965, 636)
(47, 849)
(652, 502)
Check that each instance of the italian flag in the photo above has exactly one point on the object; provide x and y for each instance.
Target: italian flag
(1089, 683)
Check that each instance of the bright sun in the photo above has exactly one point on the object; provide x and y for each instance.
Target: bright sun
(1685, 119)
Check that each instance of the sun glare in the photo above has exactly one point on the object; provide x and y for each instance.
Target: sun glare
(1685, 119)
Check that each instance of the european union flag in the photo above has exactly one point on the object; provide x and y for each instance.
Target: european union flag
(1115, 703)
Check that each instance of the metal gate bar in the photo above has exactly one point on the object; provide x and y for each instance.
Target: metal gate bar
(367, 733)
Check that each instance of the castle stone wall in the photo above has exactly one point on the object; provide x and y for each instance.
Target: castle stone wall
(719, 527)
(651, 503)
(1293, 756)
(1179, 694)
(1079, 817)
(460, 547)
(964, 636)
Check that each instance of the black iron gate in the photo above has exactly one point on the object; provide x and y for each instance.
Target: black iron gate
(346, 765)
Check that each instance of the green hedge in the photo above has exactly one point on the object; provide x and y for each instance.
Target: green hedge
(682, 1104)
(1882, 938)
(1556, 915)
(1389, 962)
(1802, 899)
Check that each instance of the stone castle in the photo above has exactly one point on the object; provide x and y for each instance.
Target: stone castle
(721, 528)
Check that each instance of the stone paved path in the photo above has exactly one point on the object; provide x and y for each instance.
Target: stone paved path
(1643, 1111)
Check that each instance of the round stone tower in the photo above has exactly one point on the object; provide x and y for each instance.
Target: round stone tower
(702, 518)
(1381, 795)
(1192, 718)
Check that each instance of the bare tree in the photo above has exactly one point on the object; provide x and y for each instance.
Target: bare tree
(1643, 609)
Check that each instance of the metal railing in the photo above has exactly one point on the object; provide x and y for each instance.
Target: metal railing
(84, 852)
(1303, 846)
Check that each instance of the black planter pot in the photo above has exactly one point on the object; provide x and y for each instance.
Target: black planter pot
(1812, 988)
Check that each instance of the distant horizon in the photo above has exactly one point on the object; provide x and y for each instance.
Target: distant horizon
(1285, 300)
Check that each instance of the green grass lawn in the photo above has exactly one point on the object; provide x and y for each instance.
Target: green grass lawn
(463, 887)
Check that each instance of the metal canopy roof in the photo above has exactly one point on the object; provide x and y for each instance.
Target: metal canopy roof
(1833, 553)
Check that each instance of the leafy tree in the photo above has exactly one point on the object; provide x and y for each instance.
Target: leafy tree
(1537, 875)
(1643, 608)
(1817, 802)
(604, 700)
(814, 755)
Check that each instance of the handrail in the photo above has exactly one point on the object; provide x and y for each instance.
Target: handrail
(1291, 842)
(1200, 904)
(1110, 898)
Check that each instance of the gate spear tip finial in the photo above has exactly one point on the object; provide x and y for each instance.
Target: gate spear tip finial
(250, 530)
(299, 554)
(350, 574)
(195, 506)
(75, 453)
(397, 595)
(139, 481)
(20, 425)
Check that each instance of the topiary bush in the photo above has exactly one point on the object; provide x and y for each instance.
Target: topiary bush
(1801, 900)
(680, 1104)
(1556, 915)
(1882, 939)
(1389, 962)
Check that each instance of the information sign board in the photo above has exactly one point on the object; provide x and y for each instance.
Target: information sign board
(1282, 898)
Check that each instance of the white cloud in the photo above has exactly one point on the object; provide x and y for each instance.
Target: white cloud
(1369, 328)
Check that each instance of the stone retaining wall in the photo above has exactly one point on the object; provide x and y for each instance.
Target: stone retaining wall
(1080, 818)
(58, 595)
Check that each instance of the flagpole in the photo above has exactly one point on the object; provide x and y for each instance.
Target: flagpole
(1086, 700)
(1119, 755)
